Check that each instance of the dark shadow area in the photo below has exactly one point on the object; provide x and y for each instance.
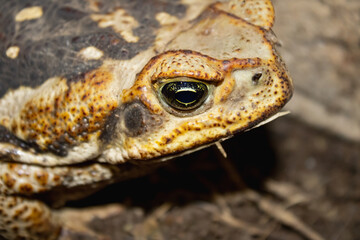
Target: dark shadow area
(195, 177)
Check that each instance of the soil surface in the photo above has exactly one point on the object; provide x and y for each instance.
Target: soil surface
(321, 47)
(296, 178)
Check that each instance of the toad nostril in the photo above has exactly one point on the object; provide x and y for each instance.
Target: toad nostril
(255, 79)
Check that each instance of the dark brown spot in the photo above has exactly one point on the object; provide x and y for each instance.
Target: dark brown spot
(19, 212)
(167, 140)
(42, 178)
(8, 180)
(25, 188)
(12, 166)
(56, 178)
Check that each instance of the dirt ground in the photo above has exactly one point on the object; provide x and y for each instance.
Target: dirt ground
(296, 178)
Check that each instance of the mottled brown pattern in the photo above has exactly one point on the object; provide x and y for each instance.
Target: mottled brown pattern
(76, 114)
(26, 219)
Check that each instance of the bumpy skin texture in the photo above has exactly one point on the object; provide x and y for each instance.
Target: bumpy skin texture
(80, 100)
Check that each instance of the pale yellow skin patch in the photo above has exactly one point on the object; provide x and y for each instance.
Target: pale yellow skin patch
(120, 21)
(29, 13)
(91, 53)
(166, 19)
(12, 52)
(13, 98)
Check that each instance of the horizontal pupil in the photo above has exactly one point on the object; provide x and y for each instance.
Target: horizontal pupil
(186, 96)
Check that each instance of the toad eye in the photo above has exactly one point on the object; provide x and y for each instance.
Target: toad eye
(184, 95)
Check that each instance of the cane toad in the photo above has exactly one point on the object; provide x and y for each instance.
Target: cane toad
(93, 92)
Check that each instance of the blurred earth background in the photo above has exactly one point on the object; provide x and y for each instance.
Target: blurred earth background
(296, 178)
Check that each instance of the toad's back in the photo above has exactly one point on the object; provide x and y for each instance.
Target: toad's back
(42, 39)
